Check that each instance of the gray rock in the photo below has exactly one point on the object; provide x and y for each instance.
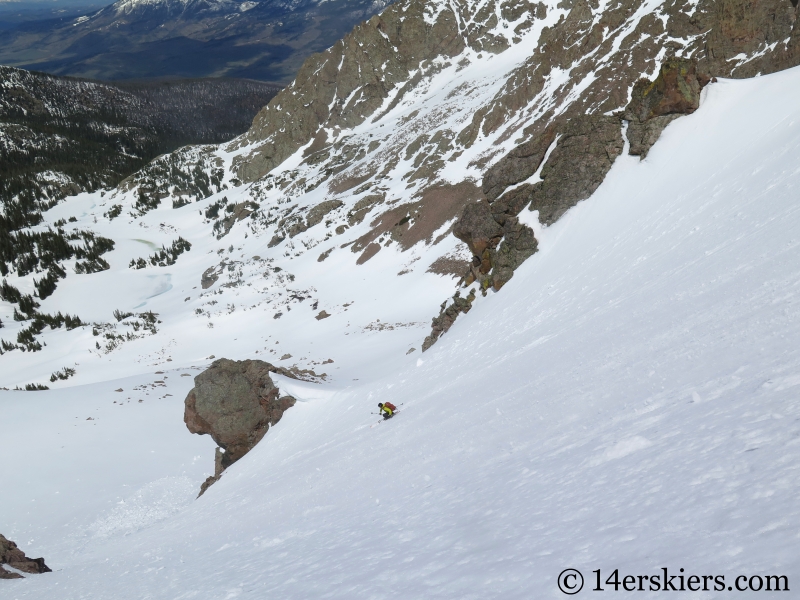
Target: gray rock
(519, 244)
(643, 135)
(314, 216)
(447, 316)
(361, 69)
(518, 165)
(210, 276)
(478, 229)
(234, 402)
(587, 148)
(654, 105)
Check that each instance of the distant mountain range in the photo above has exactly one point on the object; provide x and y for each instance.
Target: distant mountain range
(266, 40)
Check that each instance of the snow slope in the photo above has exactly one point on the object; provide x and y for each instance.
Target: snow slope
(389, 314)
(629, 400)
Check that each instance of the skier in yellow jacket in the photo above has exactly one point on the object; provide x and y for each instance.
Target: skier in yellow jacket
(387, 410)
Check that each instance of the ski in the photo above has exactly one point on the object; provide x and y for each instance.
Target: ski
(397, 412)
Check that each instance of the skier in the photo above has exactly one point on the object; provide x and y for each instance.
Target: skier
(387, 410)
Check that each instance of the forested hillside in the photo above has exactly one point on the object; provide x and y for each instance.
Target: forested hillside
(61, 136)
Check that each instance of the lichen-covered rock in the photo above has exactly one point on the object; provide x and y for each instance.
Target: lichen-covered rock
(519, 244)
(447, 316)
(12, 556)
(477, 228)
(518, 165)
(743, 38)
(587, 148)
(676, 90)
(234, 402)
(655, 104)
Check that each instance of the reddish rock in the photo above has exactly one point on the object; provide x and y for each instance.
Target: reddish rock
(12, 556)
(478, 229)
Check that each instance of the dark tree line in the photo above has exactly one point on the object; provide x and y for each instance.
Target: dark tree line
(63, 136)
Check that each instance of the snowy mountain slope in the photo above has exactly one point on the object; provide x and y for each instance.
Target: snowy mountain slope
(348, 184)
(627, 401)
(128, 6)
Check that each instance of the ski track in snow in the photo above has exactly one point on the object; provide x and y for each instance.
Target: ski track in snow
(629, 400)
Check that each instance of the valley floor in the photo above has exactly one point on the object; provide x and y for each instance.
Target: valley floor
(628, 401)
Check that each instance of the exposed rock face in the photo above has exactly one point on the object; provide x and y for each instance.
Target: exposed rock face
(361, 69)
(518, 245)
(543, 134)
(411, 223)
(654, 105)
(447, 316)
(482, 227)
(234, 402)
(480, 232)
(581, 152)
(314, 216)
(12, 556)
(587, 148)
(349, 82)
(518, 165)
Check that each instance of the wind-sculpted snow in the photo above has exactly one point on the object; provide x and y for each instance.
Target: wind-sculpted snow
(627, 401)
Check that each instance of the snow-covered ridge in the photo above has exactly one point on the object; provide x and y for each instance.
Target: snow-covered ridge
(128, 6)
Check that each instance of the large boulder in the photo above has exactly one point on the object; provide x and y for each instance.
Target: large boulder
(234, 402)
(12, 556)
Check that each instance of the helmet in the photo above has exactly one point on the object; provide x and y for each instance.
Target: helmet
(380, 404)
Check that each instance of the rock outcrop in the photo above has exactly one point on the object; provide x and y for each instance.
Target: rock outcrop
(655, 104)
(583, 155)
(234, 402)
(605, 50)
(480, 232)
(347, 83)
(585, 149)
(447, 316)
(573, 157)
(12, 556)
